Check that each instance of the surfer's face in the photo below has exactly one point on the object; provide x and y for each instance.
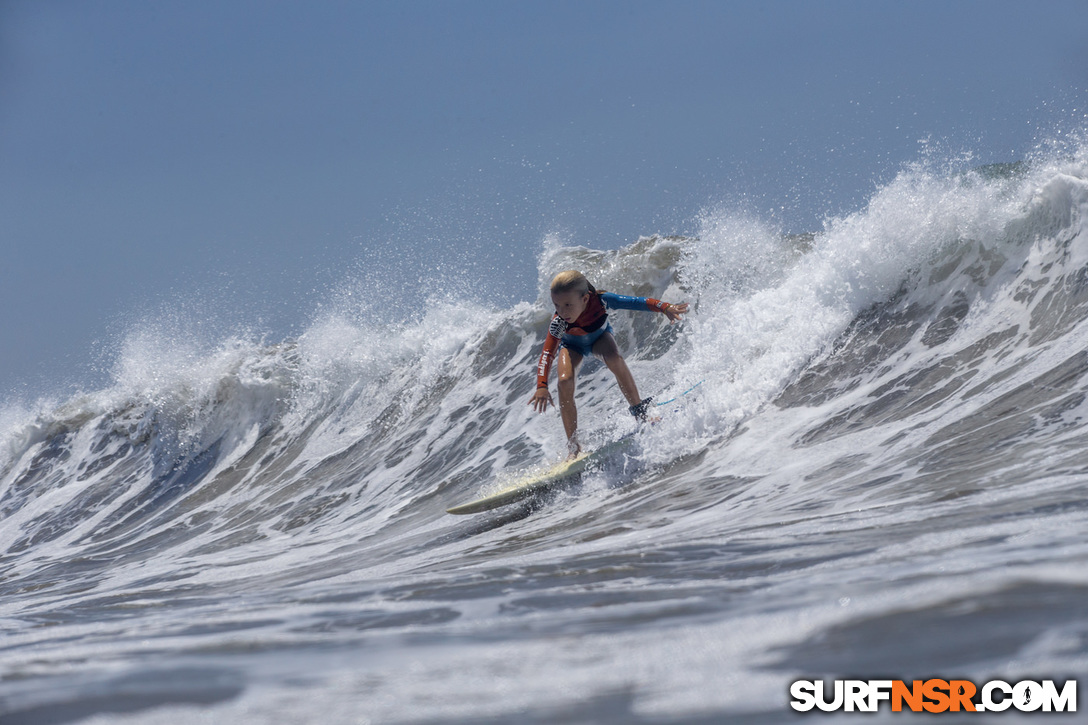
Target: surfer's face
(570, 305)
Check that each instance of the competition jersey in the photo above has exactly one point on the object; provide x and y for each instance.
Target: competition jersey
(594, 318)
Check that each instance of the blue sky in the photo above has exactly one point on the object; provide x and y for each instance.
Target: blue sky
(254, 154)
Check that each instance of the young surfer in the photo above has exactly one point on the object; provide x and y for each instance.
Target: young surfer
(579, 328)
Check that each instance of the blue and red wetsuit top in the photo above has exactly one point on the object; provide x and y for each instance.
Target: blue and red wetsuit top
(590, 323)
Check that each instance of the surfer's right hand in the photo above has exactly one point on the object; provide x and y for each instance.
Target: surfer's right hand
(541, 399)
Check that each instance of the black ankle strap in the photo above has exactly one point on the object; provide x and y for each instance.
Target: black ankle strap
(639, 411)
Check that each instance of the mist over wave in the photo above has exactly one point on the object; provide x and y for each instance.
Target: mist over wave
(887, 437)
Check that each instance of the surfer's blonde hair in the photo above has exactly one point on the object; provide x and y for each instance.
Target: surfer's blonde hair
(570, 281)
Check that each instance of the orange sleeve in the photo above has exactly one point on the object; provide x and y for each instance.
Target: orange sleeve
(544, 367)
(656, 305)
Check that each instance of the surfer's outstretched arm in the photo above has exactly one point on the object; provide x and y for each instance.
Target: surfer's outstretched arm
(625, 302)
(542, 398)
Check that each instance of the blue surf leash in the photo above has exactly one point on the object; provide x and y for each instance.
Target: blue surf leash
(670, 400)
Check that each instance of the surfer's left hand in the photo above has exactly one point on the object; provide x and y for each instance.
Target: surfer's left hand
(673, 312)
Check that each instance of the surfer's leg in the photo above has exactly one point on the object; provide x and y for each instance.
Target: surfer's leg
(566, 366)
(606, 349)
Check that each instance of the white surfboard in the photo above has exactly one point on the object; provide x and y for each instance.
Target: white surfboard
(540, 482)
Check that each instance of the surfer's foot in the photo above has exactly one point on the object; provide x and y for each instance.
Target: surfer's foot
(574, 449)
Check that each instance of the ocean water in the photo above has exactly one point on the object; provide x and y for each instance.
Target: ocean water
(882, 473)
